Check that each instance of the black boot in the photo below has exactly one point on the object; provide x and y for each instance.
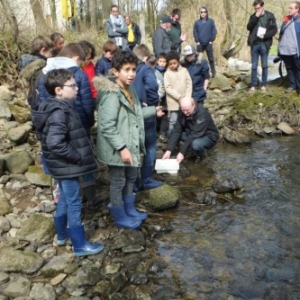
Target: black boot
(93, 200)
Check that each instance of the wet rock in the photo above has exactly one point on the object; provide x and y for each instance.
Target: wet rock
(281, 275)
(42, 291)
(184, 172)
(35, 175)
(138, 278)
(3, 278)
(4, 224)
(12, 260)
(112, 269)
(118, 281)
(235, 137)
(19, 134)
(285, 128)
(225, 186)
(20, 114)
(133, 249)
(17, 288)
(37, 229)
(18, 162)
(58, 279)
(5, 207)
(57, 265)
(49, 253)
(129, 238)
(161, 198)
(220, 82)
(206, 198)
(268, 129)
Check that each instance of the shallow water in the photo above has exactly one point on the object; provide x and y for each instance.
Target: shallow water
(246, 249)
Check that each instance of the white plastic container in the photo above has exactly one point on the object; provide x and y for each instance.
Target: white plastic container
(170, 166)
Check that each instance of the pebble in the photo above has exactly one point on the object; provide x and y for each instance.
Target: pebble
(58, 279)
(3, 278)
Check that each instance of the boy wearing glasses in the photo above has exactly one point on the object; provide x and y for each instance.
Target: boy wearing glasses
(205, 33)
(262, 27)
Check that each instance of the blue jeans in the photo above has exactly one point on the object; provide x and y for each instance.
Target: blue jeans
(69, 201)
(199, 145)
(262, 51)
(150, 144)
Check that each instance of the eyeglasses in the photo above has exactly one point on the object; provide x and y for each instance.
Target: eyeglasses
(73, 85)
(203, 12)
(257, 7)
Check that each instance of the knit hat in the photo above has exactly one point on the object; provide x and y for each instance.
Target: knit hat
(188, 50)
(165, 19)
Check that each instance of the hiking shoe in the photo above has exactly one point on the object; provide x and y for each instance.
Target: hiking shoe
(252, 89)
(263, 89)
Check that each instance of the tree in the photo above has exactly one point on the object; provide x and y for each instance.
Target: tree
(11, 19)
(53, 12)
(38, 14)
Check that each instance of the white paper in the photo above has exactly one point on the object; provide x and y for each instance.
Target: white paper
(261, 31)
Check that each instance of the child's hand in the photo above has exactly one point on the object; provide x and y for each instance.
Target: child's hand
(126, 156)
(159, 112)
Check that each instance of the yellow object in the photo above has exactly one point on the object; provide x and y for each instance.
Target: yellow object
(130, 37)
(68, 8)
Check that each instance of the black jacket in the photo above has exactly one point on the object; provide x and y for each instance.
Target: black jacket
(65, 144)
(197, 125)
(253, 25)
(137, 34)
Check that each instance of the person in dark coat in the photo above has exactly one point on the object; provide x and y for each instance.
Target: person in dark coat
(175, 30)
(68, 154)
(134, 34)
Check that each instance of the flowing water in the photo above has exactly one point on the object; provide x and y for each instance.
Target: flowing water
(246, 249)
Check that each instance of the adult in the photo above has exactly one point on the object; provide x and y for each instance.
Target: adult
(205, 33)
(134, 34)
(161, 40)
(195, 127)
(262, 27)
(116, 28)
(289, 44)
(175, 30)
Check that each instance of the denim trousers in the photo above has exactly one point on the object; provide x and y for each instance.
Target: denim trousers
(150, 144)
(121, 183)
(173, 119)
(199, 145)
(262, 51)
(69, 201)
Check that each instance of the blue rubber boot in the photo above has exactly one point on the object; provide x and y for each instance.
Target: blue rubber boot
(147, 182)
(61, 223)
(130, 208)
(81, 247)
(121, 219)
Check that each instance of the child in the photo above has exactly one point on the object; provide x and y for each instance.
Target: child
(199, 72)
(71, 57)
(31, 65)
(145, 84)
(121, 136)
(58, 41)
(68, 154)
(88, 66)
(178, 84)
(103, 65)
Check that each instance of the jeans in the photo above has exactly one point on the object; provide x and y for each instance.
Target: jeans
(293, 71)
(173, 118)
(121, 183)
(262, 51)
(88, 180)
(199, 145)
(69, 201)
(210, 56)
(150, 144)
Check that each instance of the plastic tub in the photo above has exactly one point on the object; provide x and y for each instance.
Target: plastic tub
(170, 166)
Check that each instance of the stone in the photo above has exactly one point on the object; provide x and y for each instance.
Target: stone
(19, 134)
(37, 229)
(235, 137)
(129, 238)
(4, 224)
(5, 94)
(20, 114)
(18, 162)
(49, 253)
(225, 186)
(220, 82)
(18, 288)
(9, 125)
(57, 265)
(58, 279)
(5, 207)
(112, 268)
(12, 260)
(285, 128)
(42, 291)
(47, 206)
(3, 278)
(5, 112)
(36, 175)
(1, 167)
(13, 220)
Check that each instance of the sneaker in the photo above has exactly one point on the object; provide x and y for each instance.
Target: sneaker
(289, 90)
(252, 89)
(263, 89)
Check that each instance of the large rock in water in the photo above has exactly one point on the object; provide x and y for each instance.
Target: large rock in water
(235, 137)
(37, 230)
(35, 175)
(285, 128)
(220, 82)
(161, 198)
(18, 162)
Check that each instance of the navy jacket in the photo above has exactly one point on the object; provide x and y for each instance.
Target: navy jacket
(146, 86)
(84, 103)
(204, 31)
(199, 73)
(103, 66)
(65, 145)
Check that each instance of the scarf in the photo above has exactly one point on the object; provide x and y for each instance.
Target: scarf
(117, 22)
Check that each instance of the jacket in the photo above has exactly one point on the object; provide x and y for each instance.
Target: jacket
(204, 30)
(162, 43)
(197, 125)
(271, 29)
(136, 33)
(103, 65)
(117, 32)
(119, 125)
(65, 144)
(27, 59)
(198, 73)
(174, 33)
(177, 84)
(89, 70)
(84, 103)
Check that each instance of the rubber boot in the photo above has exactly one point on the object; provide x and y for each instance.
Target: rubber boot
(130, 208)
(147, 182)
(89, 192)
(81, 246)
(61, 223)
(121, 219)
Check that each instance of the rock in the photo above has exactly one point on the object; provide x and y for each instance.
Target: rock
(13, 220)
(3, 278)
(58, 279)
(19, 134)
(5, 112)
(285, 128)
(225, 186)
(4, 224)
(220, 82)
(49, 253)
(5, 207)
(118, 281)
(18, 162)
(57, 265)
(5, 94)
(235, 137)
(20, 114)
(37, 230)
(268, 129)
(112, 268)
(161, 198)
(42, 291)
(8, 125)
(240, 86)
(129, 238)
(18, 288)
(12, 260)
(35, 175)
(1, 166)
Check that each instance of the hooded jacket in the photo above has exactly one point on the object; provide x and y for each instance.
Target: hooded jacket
(103, 66)
(119, 124)
(65, 144)
(84, 103)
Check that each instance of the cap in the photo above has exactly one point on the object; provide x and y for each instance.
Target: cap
(166, 19)
(188, 50)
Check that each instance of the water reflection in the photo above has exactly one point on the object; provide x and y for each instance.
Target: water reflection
(246, 250)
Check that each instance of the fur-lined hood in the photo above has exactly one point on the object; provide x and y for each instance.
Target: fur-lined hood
(31, 68)
(107, 84)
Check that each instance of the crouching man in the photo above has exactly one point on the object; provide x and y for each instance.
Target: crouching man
(195, 127)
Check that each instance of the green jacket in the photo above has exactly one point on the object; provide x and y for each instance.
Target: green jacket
(119, 124)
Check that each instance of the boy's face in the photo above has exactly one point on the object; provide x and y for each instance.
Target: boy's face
(173, 64)
(190, 57)
(68, 91)
(126, 74)
(108, 55)
(162, 62)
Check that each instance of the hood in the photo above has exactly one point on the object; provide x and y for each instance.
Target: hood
(103, 83)
(30, 69)
(204, 7)
(59, 63)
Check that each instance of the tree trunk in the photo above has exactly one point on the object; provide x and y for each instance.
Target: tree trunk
(38, 14)
(11, 19)
(53, 13)
(93, 13)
